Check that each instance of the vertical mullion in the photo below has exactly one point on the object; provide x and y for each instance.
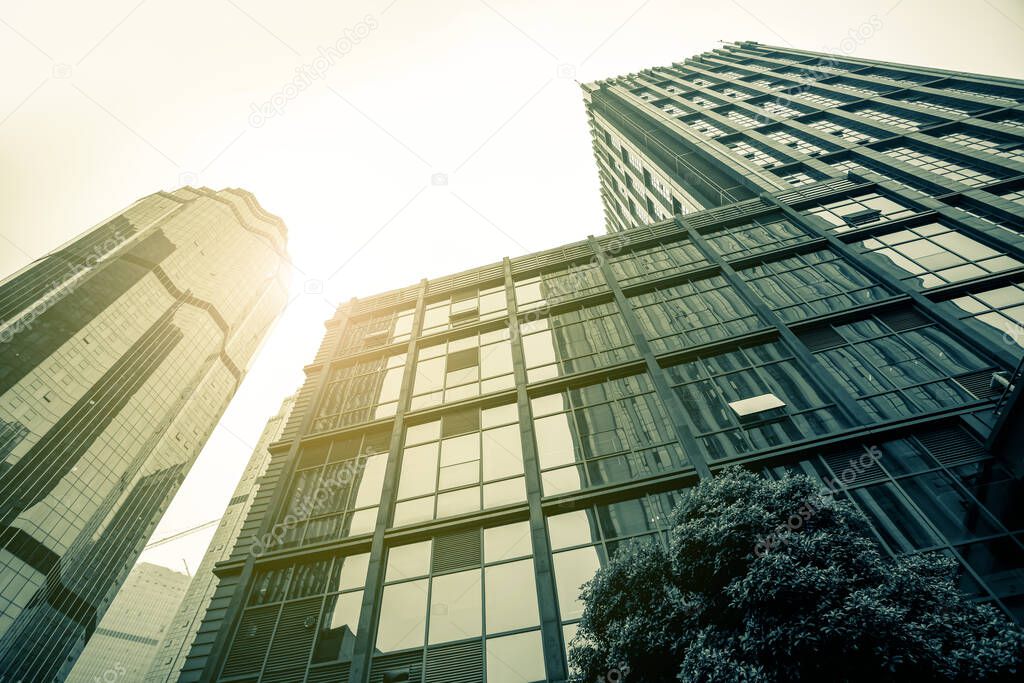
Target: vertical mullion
(550, 624)
(374, 588)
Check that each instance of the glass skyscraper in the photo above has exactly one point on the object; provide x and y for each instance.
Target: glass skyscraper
(810, 259)
(120, 352)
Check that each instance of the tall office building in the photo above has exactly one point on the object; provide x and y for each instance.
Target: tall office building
(132, 631)
(189, 615)
(466, 452)
(120, 351)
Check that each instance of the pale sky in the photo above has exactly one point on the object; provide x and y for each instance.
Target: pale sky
(105, 102)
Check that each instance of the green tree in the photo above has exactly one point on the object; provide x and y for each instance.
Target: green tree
(775, 581)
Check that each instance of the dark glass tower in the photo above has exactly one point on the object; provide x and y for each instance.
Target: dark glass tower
(827, 281)
(120, 351)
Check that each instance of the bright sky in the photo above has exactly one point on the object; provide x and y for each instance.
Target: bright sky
(105, 102)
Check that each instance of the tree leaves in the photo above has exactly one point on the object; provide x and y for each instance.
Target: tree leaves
(822, 603)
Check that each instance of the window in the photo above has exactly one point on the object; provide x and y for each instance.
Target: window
(775, 108)
(705, 127)
(842, 129)
(470, 305)
(475, 585)
(467, 460)
(740, 119)
(898, 370)
(656, 261)
(806, 285)
(560, 285)
(708, 385)
(335, 490)
(603, 433)
(945, 165)
(692, 313)
(850, 213)
(462, 368)
(934, 255)
(995, 93)
(819, 98)
(996, 313)
(896, 118)
(754, 154)
(575, 341)
(946, 105)
(801, 145)
(377, 329)
(797, 178)
(583, 540)
(308, 608)
(360, 392)
(766, 233)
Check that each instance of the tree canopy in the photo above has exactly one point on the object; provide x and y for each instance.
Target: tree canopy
(775, 581)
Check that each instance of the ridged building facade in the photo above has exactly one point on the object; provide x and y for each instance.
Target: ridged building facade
(189, 614)
(121, 350)
(811, 259)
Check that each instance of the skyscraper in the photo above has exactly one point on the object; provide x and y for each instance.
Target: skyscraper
(466, 452)
(120, 351)
(132, 631)
(189, 615)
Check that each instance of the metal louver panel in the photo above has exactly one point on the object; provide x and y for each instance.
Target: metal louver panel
(251, 641)
(855, 467)
(463, 662)
(820, 338)
(289, 676)
(335, 673)
(391, 667)
(457, 551)
(815, 190)
(952, 446)
(979, 384)
(293, 638)
(903, 319)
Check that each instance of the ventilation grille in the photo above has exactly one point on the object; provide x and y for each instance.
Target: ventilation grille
(290, 676)
(952, 446)
(457, 551)
(393, 298)
(463, 663)
(251, 641)
(552, 257)
(816, 190)
(854, 467)
(979, 384)
(397, 664)
(294, 636)
(745, 209)
(903, 319)
(335, 673)
(466, 279)
(821, 338)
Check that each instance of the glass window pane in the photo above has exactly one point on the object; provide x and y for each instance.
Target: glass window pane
(455, 606)
(554, 441)
(573, 568)
(506, 542)
(460, 449)
(511, 591)
(349, 572)
(458, 502)
(403, 611)
(412, 511)
(370, 482)
(406, 561)
(572, 528)
(515, 659)
(503, 452)
(504, 492)
(336, 637)
(419, 468)
(956, 516)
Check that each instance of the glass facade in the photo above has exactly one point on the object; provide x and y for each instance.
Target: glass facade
(558, 408)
